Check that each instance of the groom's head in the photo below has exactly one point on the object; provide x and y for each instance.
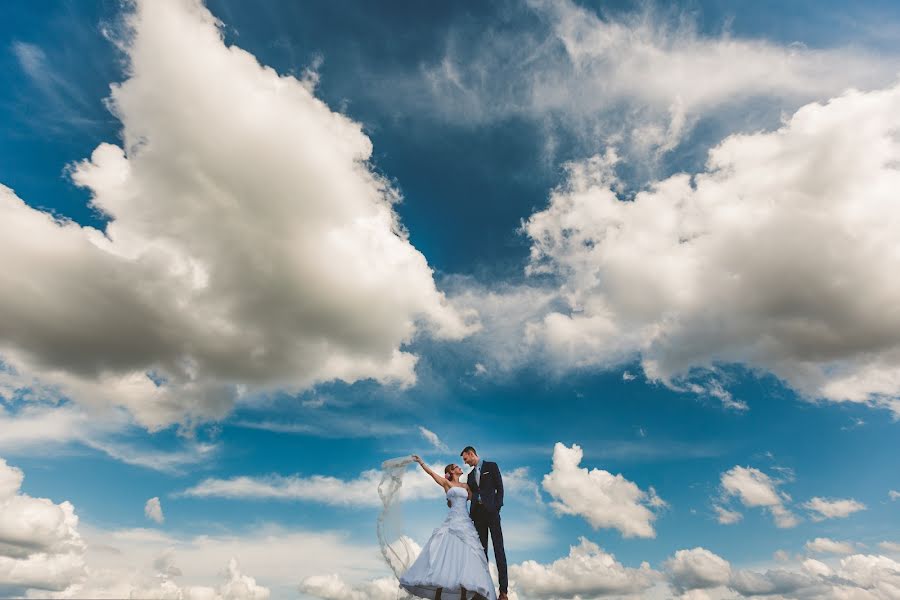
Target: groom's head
(469, 456)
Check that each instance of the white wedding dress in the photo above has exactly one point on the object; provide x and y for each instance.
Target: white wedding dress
(452, 558)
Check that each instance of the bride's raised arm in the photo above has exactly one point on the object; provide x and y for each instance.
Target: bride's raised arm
(441, 481)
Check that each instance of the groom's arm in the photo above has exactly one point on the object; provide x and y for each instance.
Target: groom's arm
(499, 487)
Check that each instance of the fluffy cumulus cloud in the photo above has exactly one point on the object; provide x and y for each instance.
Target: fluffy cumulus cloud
(149, 563)
(40, 545)
(333, 587)
(832, 508)
(587, 572)
(872, 577)
(44, 553)
(697, 569)
(250, 245)
(730, 266)
(603, 499)
(755, 489)
(162, 582)
(690, 574)
(153, 510)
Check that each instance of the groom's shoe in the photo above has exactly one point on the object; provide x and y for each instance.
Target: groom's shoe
(502, 596)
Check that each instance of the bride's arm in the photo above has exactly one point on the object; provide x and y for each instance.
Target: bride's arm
(468, 491)
(441, 481)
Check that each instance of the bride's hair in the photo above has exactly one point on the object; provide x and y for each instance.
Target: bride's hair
(447, 471)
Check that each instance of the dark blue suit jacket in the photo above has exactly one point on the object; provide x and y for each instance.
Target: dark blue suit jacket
(490, 491)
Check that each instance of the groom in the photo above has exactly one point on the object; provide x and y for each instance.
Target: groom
(487, 499)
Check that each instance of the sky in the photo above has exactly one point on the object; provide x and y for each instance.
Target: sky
(639, 254)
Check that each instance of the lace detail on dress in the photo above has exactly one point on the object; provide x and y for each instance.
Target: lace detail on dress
(459, 523)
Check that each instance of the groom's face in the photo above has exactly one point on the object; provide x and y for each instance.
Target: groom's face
(470, 458)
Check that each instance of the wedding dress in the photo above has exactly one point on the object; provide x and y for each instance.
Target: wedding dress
(451, 559)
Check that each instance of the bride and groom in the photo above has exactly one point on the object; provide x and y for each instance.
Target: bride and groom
(453, 563)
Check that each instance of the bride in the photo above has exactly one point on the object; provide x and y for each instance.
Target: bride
(452, 563)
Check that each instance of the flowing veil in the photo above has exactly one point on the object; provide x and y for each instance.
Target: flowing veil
(398, 550)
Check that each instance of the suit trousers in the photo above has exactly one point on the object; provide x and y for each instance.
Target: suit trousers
(487, 520)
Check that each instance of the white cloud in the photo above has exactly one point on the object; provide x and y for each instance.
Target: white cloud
(141, 562)
(643, 77)
(868, 577)
(333, 587)
(193, 452)
(43, 551)
(727, 267)
(433, 439)
(829, 546)
(40, 428)
(326, 489)
(237, 586)
(235, 195)
(161, 583)
(37, 426)
(40, 545)
(825, 508)
(714, 389)
(153, 510)
(774, 582)
(878, 574)
(697, 568)
(892, 547)
(504, 310)
(587, 571)
(603, 499)
(893, 495)
(329, 424)
(727, 517)
(755, 489)
(323, 489)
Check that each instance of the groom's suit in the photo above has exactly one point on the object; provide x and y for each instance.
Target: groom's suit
(486, 484)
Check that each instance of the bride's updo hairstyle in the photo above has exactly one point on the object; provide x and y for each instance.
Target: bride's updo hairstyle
(447, 471)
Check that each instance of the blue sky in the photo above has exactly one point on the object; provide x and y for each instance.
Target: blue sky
(399, 226)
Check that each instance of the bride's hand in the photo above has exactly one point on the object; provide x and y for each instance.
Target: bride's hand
(417, 459)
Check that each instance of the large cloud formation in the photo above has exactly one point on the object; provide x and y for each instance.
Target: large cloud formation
(873, 577)
(250, 244)
(780, 257)
(43, 553)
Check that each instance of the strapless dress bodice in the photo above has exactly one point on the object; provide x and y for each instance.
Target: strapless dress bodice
(457, 497)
